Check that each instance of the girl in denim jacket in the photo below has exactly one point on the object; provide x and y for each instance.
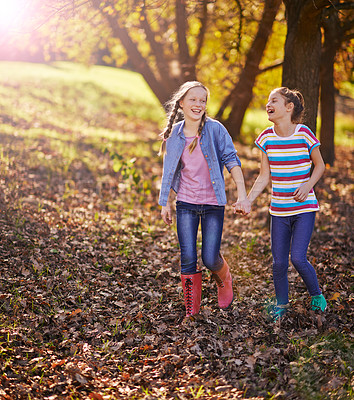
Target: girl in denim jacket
(196, 150)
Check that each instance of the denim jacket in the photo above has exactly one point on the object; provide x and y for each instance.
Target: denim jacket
(218, 149)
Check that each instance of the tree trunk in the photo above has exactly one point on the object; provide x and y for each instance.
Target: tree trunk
(139, 63)
(302, 53)
(241, 96)
(170, 83)
(185, 59)
(332, 41)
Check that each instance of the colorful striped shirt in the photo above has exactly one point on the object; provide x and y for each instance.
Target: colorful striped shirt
(290, 166)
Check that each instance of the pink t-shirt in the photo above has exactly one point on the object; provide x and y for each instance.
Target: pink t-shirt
(195, 184)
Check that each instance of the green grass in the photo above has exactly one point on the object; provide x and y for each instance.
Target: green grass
(64, 117)
(344, 130)
(107, 96)
(332, 353)
(118, 89)
(73, 106)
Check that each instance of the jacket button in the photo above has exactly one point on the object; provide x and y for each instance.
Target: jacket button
(206, 156)
(213, 182)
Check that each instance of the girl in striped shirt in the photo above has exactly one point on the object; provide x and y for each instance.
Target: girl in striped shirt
(288, 150)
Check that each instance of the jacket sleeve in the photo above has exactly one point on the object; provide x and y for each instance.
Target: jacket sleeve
(229, 155)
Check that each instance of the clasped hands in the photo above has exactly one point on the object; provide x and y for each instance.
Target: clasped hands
(242, 206)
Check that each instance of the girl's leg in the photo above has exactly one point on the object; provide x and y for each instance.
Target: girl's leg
(280, 239)
(187, 229)
(212, 221)
(212, 224)
(302, 230)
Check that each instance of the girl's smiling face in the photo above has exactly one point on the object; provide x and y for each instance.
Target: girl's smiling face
(194, 103)
(277, 108)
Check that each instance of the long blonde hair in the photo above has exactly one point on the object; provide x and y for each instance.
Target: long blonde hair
(174, 106)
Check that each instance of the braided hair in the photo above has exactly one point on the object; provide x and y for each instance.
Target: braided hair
(175, 109)
(295, 97)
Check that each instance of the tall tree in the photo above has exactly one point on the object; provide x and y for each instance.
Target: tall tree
(167, 63)
(338, 28)
(241, 95)
(187, 40)
(302, 52)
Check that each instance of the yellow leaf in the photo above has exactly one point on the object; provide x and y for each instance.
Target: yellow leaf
(335, 296)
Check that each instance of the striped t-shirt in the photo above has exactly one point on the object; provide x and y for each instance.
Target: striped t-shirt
(290, 165)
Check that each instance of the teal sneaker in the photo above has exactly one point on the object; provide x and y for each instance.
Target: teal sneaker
(318, 303)
(277, 312)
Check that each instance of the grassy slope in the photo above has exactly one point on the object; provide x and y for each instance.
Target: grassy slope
(123, 88)
(76, 106)
(119, 91)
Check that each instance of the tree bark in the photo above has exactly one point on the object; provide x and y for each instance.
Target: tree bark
(332, 40)
(302, 53)
(186, 61)
(139, 63)
(167, 81)
(335, 33)
(241, 96)
(203, 27)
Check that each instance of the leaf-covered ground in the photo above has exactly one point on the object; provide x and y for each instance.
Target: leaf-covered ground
(91, 304)
(92, 307)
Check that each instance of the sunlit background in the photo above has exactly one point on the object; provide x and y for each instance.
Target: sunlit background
(13, 14)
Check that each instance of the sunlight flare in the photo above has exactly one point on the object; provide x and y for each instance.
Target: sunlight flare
(12, 14)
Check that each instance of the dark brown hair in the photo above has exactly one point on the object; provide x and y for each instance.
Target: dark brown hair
(295, 97)
(174, 106)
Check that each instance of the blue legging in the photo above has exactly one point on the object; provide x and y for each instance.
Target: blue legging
(292, 232)
(211, 219)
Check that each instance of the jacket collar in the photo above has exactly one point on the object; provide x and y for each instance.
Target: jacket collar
(180, 129)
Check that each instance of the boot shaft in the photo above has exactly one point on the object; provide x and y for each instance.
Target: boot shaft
(192, 289)
(223, 280)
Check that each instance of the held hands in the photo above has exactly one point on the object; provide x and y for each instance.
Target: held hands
(166, 214)
(242, 206)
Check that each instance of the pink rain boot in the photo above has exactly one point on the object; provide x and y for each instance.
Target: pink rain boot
(192, 289)
(223, 279)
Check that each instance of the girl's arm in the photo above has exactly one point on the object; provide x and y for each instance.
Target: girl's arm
(166, 211)
(302, 192)
(262, 179)
(243, 204)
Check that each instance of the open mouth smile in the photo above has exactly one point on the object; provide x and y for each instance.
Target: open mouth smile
(196, 111)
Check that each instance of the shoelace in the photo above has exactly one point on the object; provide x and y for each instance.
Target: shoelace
(189, 295)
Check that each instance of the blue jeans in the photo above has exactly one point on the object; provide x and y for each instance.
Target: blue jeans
(212, 219)
(293, 232)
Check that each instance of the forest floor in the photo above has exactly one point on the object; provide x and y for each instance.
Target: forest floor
(91, 303)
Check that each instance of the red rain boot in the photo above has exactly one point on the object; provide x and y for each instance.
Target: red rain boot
(192, 289)
(223, 279)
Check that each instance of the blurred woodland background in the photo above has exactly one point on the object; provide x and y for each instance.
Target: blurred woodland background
(240, 49)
